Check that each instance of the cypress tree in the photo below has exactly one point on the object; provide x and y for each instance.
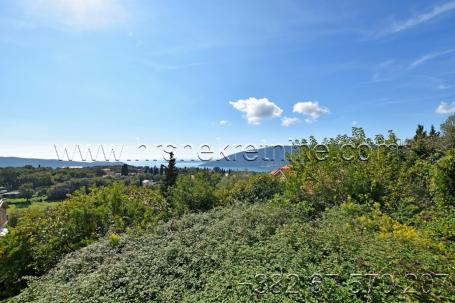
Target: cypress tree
(171, 172)
(124, 171)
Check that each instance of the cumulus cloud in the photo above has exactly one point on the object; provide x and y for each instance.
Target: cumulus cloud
(445, 108)
(311, 110)
(257, 110)
(223, 122)
(287, 121)
(76, 14)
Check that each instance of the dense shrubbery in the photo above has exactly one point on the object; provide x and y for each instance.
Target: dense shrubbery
(247, 188)
(404, 182)
(203, 190)
(259, 188)
(194, 192)
(41, 236)
(443, 181)
(212, 257)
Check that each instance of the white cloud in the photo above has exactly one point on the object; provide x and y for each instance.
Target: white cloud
(445, 108)
(257, 110)
(430, 56)
(76, 14)
(287, 121)
(223, 122)
(354, 123)
(422, 18)
(312, 110)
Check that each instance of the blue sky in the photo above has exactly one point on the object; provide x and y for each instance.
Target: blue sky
(219, 72)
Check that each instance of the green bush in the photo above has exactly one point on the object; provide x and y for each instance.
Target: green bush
(58, 192)
(193, 193)
(257, 253)
(42, 236)
(258, 188)
(444, 178)
(388, 174)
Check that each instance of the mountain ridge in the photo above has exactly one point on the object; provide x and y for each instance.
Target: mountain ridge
(53, 163)
(269, 157)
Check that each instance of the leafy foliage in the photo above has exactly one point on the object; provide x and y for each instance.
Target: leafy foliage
(193, 193)
(259, 188)
(42, 236)
(448, 131)
(370, 170)
(211, 257)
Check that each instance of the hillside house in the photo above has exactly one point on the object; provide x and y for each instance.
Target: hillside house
(147, 183)
(11, 194)
(3, 190)
(280, 171)
(3, 215)
(108, 172)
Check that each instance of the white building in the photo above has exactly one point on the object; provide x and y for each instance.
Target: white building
(3, 218)
(3, 215)
(147, 183)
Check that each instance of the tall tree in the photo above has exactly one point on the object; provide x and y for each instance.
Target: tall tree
(419, 143)
(26, 191)
(433, 132)
(426, 145)
(124, 171)
(171, 172)
(420, 132)
(448, 132)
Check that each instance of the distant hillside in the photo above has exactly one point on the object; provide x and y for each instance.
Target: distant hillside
(20, 162)
(267, 158)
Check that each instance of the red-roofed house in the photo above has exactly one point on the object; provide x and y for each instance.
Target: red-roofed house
(280, 171)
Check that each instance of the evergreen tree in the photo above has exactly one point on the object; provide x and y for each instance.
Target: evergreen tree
(420, 133)
(124, 171)
(433, 132)
(171, 172)
(425, 145)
